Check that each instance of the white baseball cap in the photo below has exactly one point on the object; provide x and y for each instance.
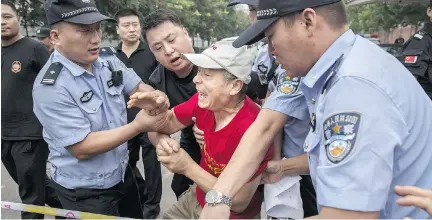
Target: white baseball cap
(222, 55)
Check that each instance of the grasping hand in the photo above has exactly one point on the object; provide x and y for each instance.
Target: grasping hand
(199, 134)
(176, 162)
(154, 102)
(273, 172)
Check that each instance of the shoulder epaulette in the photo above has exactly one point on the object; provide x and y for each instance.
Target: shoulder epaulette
(52, 74)
(419, 35)
(107, 51)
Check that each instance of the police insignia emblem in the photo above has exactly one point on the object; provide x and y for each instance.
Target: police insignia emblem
(87, 96)
(340, 133)
(419, 35)
(263, 68)
(287, 84)
(110, 83)
(16, 66)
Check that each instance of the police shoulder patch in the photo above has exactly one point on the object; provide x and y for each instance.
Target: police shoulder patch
(287, 84)
(52, 73)
(419, 35)
(107, 51)
(263, 68)
(340, 134)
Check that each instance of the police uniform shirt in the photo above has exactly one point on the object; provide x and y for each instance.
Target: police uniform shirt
(370, 131)
(20, 64)
(76, 103)
(143, 62)
(417, 57)
(286, 98)
(263, 63)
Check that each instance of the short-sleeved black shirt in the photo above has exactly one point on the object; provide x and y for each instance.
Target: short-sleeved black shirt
(178, 91)
(20, 64)
(143, 62)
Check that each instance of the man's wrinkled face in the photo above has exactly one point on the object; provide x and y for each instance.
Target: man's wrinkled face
(291, 45)
(168, 41)
(214, 90)
(9, 23)
(252, 13)
(129, 28)
(79, 43)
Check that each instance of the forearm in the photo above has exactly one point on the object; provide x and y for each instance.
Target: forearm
(245, 161)
(103, 141)
(295, 166)
(201, 177)
(141, 87)
(155, 137)
(277, 146)
(206, 181)
(170, 125)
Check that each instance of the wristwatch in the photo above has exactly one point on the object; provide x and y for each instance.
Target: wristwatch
(214, 197)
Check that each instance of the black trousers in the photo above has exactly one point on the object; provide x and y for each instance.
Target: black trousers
(308, 195)
(150, 190)
(181, 183)
(120, 200)
(25, 162)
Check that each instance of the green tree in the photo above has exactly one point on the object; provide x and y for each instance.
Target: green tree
(385, 17)
(210, 19)
(31, 13)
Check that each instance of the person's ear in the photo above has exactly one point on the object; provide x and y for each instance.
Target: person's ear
(309, 17)
(237, 85)
(429, 12)
(186, 32)
(55, 36)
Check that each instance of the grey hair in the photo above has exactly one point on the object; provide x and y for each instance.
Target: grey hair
(229, 77)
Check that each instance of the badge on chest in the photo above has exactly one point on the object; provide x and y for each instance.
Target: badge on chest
(340, 133)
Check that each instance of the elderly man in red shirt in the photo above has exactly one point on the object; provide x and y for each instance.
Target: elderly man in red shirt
(224, 112)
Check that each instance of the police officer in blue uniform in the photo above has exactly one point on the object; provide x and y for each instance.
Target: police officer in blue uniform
(78, 97)
(370, 127)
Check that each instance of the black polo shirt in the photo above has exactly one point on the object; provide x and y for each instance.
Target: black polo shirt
(143, 62)
(178, 90)
(20, 64)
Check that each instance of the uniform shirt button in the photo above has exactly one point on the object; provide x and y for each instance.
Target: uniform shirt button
(305, 146)
(100, 175)
(313, 101)
(94, 109)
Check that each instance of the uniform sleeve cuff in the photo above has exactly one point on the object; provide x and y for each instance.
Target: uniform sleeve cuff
(131, 82)
(293, 108)
(349, 200)
(76, 137)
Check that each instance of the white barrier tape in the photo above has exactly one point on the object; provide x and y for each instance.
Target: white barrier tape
(54, 211)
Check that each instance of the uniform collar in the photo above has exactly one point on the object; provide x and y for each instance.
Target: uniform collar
(141, 46)
(74, 68)
(330, 56)
(428, 27)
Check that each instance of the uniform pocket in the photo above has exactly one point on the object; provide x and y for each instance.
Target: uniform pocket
(93, 111)
(115, 94)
